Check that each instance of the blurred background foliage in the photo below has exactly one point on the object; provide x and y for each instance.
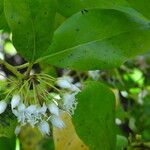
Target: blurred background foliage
(130, 83)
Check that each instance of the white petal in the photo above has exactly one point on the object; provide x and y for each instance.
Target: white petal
(2, 75)
(3, 106)
(68, 78)
(74, 88)
(21, 107)
(63, 83)
(42, 109)
(94, 74)
(44, 128)
(15, 112)
(69, 102)
(32, 121)
(53, 109)
(31, 109)
(17, 130)
(57, 97)
(15, 101)
(118, 121)
(78, 84)
(57, 122)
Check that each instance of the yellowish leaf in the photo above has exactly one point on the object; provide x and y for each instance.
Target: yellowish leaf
(67, 139)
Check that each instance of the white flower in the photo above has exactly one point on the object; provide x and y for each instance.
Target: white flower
(53, 109)
(124, 93)
(15, 101)
(17, 130)
(118, 121)
(57, 122)
(78, 84)
(68, 78)
(69, 102)
(74, 88)
(35, 114)
(64, 82)
(31, 109)
(21, 107)
(3, 106)
(94, 74)
(32, 114)
(57, 97)
(20, 113)
(2, 75)
(42, 110)
(44, 128)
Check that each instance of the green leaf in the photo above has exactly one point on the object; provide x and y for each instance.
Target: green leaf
(32, 24)
(95, 115)
(143, 6)
(47, 144)
(99, 38)
(122, 142)
(8, 124)
(69, 7)
(59, 19)
(104, 3)
(3, 22)
(7, 143)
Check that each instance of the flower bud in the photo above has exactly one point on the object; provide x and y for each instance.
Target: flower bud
(3, 106)
(44, 128)
(63, 83)
(15, 101)
(57, 122)
(17, 130)
(53, 109)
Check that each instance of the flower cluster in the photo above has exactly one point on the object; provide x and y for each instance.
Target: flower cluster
(69, 100)
(46, 108)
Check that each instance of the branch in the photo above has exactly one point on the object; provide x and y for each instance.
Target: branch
(11, 68)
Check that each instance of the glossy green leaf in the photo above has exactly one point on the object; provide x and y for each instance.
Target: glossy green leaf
(103, 3)
(3, 22)
(94, 117)
(99, 38)
(32, 24)
(69, 7)
(143, 6)
(59, 19)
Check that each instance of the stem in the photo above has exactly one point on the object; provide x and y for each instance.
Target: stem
(27, 92)
(34, 92)
(42, 91)
(43, 74)
(141, 145)
(6, 98)
(27, 73)
(11, 68)
(22, 66)
(24, 84)
(50, 85)
(119, 77)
